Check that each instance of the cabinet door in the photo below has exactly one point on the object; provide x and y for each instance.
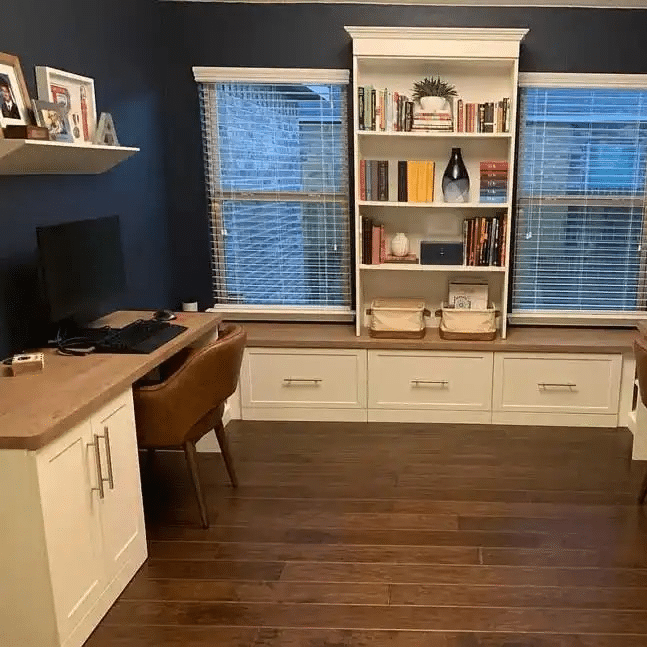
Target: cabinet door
(67, 474)
(121, 512)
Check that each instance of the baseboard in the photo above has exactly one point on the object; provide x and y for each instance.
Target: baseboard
(555, 419)
(304, 414)
(429, 416)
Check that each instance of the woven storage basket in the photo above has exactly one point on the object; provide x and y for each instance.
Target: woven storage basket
(460, 324)
(398, 318)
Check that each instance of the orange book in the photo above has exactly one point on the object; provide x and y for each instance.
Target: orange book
(412, 181)
(430, 181)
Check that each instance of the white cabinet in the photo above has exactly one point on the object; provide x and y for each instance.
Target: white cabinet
(565, 388)
(482, 64)
(429, 386)
(73, 534)
(303, 384)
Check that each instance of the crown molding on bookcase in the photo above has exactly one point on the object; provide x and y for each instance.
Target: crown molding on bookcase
(269, 75)
(438, 33)
(566, 80)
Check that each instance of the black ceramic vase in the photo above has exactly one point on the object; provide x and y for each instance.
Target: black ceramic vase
(456, 181)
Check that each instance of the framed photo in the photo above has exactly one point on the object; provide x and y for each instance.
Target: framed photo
(53, 117)
(14, 98)
(76, 94)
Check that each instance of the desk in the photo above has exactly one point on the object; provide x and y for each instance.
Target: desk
(70, 497)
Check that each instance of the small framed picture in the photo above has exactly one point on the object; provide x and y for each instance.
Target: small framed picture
(53, 117)
(14, 98)
(76, 94)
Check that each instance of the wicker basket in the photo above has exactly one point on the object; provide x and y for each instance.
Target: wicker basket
(398, 318)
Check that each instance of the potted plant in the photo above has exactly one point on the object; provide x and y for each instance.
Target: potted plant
(433, 94)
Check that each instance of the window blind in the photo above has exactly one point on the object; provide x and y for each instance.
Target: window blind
(276, 167)
(580, 207)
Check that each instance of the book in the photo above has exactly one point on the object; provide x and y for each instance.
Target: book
(407, 258)
(383, 180)
(362, 179)
(375, 243)
(402, 181)
(373, 195)
(360, 107)
(468, 296)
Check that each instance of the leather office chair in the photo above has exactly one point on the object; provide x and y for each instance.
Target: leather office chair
(640, 351)
(189, 401)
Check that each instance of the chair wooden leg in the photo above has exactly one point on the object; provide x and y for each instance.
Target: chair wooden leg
(643, 490)
(221, 435)
(192, 462)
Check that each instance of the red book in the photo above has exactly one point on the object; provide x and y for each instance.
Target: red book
(494, 165)
(362, 179)
(375, 245)
(382, 245)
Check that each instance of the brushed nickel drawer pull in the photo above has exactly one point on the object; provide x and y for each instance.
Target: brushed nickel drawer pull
(442, 383)
(556, 385)
(111, 479)
(97, 460)
(302, 381)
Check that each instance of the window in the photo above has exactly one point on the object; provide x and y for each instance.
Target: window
(580, 209)
(276, 168)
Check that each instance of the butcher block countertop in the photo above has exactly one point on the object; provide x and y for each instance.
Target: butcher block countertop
(36, 408)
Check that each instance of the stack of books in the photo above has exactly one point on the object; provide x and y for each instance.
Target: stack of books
(493, 181)
(432, 121)
(484, 241)
(416, 180)
(374, 180)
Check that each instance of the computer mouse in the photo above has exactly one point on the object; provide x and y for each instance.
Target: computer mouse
(163, 315)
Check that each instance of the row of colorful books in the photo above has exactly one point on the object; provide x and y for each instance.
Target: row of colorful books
(383, 110)
(489, 117)
(415, 180)
(373, 242)
(484, 241)
(493, 181)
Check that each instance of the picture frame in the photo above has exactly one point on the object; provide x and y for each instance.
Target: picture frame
(53, 116)
(76, 94)
(14, 97)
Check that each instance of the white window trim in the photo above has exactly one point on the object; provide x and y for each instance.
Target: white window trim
(269, 75)
(559, 80)
(574, 317)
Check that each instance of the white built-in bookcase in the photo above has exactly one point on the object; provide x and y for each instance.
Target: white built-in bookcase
(483, 66)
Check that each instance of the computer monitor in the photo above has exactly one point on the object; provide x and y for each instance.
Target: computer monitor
(82, 268)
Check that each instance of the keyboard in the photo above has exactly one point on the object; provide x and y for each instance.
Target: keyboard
(137, 337)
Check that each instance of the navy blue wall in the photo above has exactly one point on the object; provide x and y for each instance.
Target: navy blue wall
(117, 43)
(312, 35)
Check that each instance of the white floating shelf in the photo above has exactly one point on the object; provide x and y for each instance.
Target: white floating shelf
(435, 205)
(33, 157)
(432, 133)
(416, 267)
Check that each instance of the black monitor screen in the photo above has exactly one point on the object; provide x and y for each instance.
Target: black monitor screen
(82, 267)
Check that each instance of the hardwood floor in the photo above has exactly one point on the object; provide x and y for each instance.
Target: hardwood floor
(384, 535)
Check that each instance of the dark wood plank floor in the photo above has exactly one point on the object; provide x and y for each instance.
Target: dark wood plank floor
(394, 535)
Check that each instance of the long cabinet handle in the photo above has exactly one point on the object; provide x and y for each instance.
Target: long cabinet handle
(442, 383)
(97, 460)
(111, 478)
(305, 381)
(556, 385)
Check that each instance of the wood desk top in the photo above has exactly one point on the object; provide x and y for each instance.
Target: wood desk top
(36, 408)
(520, 339)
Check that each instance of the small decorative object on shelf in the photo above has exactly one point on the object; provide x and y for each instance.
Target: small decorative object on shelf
(399, 245)
(14, 98)
(106, 133)
(76, 94)
(433, 94)
(26, 132)
(456, 181)
(53, 117)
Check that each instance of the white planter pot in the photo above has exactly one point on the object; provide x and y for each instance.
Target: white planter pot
(433, 104)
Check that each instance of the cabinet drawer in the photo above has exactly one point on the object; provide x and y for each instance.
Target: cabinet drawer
(430, 380)
(304, 378)
(564, 383)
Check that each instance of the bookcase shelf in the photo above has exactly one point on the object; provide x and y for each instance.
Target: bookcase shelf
(431, 133)
(482, 64)
(416, 267)
(435, 205)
